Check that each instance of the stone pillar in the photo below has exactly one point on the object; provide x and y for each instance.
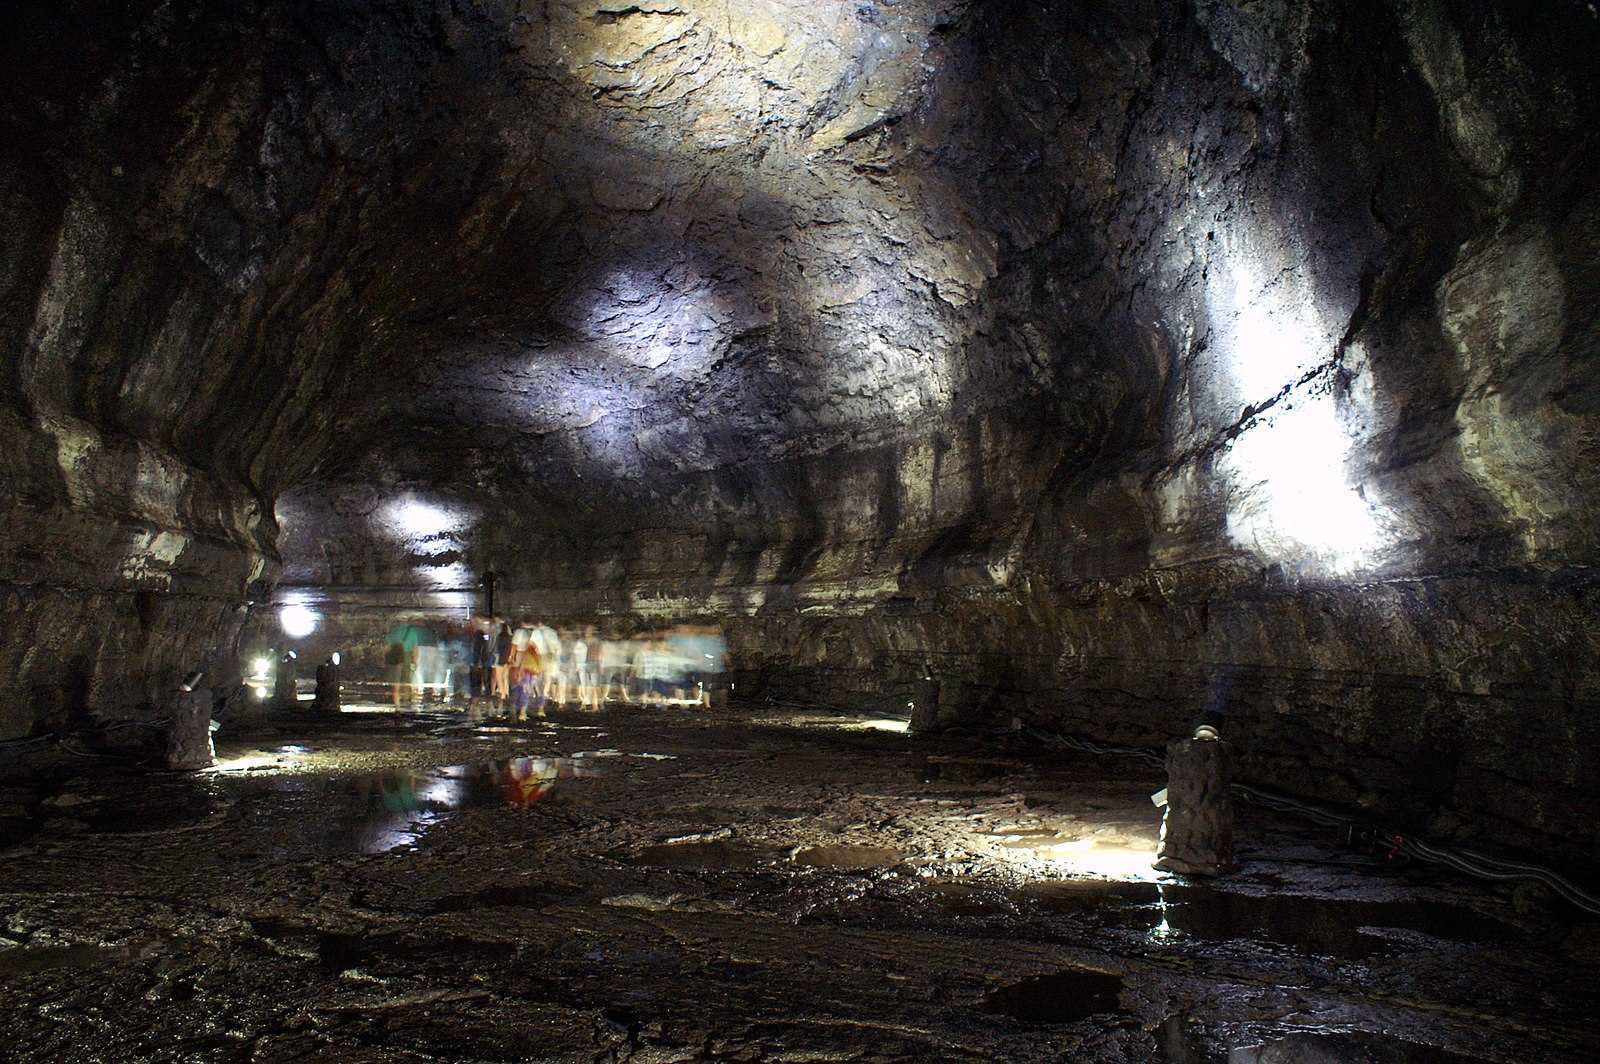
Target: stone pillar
(925, 707)
(1197, 828)
(189, 731)
(284, 694)
(327, 697)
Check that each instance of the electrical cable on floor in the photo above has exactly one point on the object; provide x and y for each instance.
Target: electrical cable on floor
(60, 739)
(1467, 862)
(32, 740)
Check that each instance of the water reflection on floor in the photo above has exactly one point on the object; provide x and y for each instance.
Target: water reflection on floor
(1343, 929)
(383, 811)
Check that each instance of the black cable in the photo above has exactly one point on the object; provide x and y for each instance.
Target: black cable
(32, 740)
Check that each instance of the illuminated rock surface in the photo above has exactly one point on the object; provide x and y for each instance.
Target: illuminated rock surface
(1114, 364)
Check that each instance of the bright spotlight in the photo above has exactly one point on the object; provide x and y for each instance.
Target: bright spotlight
(261, 667)
(297, 621)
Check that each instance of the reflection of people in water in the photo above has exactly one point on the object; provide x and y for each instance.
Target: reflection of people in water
(529, 780)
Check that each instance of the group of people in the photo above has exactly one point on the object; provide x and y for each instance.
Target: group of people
(526, 667)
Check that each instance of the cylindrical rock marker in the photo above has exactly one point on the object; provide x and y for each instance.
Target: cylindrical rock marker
(327, 697)
(925, 707)
(189, 731)
(1197, 829)
(285, 695)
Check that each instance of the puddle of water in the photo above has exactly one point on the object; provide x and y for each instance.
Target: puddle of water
(1342, 929)
(515, 895)
(1061, 997)
(1358, 1048)
(934, 769)
(147, 806)
(848, 858)
(712, 856)
(26, 960)
(384, 811)
(970, 899)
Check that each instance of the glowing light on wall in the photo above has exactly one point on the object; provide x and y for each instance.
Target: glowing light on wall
(421, 519)
(1273, 335)
(1296, 496)
(297, 620)
(1286, 476)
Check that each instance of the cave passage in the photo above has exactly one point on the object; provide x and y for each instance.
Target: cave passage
(800, 530)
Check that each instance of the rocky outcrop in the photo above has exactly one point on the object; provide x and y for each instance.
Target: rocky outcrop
(1113, 364)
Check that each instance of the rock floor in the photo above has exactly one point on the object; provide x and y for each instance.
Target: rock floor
(673, 885)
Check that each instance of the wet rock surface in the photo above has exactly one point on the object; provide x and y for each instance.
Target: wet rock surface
(692, 886)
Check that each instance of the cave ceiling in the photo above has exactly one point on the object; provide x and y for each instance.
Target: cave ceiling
(1111, 285)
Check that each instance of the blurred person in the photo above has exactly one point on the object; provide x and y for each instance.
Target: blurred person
(568, 678)
(610, 670)
(582, 671)
(482, 652)
(654, 671)
(701, 651)
(633, 652)
(460, 673)
(533, 677)
(525, 669)
(500, 664)
(394, 660)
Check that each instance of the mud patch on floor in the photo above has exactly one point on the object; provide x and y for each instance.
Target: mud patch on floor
(717, 855)
(846, 858)
(513, 895)
(1060, 997)
(936, 769)
(27, 960)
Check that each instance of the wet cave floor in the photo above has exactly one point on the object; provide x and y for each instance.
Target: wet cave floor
(674, 884)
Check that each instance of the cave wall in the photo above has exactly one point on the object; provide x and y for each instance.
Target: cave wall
(1113, 363)
(186, 244)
